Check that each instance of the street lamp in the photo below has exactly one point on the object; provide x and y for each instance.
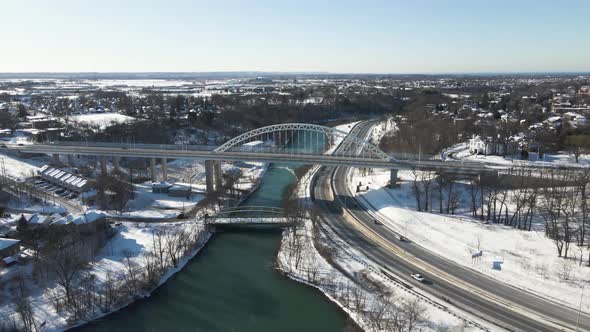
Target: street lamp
(580, 307)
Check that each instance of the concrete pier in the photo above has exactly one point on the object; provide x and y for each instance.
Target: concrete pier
(218, 176)
(209, 175)
(153, 169)
(116, 162)
(56, 160)
(393, 178)
(103, 165)
(164, 163)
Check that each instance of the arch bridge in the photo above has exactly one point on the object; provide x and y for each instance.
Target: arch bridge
(297, 143)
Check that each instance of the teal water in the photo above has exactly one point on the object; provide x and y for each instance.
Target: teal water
(232, 285)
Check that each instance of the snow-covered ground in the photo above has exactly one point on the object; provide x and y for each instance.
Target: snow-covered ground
(190, 173)
(193, 171)
(528, 260)
(19, 168)
(461, 152)
(28, 205)
(102, 120)
(149, 205)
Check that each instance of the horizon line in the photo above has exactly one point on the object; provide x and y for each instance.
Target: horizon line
(548, 72)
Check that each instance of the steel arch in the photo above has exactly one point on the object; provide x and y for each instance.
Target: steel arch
(236, 141)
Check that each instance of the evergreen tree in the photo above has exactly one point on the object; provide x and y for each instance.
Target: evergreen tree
(22, 224)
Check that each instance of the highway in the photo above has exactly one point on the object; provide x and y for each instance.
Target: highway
(505, 306)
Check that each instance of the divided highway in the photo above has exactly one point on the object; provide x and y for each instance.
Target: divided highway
(505, 306)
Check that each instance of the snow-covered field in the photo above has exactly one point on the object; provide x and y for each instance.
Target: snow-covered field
(102, 120)
(527, 260)
(19, 168)
(461, 152)
(145, 198)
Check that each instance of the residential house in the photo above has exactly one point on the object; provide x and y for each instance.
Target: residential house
(487, 146)
(8, 247)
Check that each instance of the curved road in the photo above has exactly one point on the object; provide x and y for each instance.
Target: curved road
(508, 307)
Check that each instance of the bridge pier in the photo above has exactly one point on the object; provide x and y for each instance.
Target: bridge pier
(393, 178)
(103, 165)
(209, 170)
(218, 175)
(56, 160)
(153, 169)
(164, 163)
(116, 162)
(71, 160)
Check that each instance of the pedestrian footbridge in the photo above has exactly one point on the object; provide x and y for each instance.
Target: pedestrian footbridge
(249, 215)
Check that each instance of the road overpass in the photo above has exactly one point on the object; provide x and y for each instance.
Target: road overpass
(293, 143)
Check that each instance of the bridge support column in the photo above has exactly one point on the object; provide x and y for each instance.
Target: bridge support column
(209, 170)
(71, 159)
(103, 165)
(218, 175)
(56, 159)
(153, 169)
(393, 178)
(116, 161)
(164, 163)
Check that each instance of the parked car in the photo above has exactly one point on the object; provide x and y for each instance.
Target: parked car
(418, 277)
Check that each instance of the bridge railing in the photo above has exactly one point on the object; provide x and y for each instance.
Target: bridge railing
(180, 147)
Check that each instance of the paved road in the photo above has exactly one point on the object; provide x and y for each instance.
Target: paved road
(501, 304)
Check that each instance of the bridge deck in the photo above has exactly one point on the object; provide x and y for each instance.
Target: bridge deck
(174, 151)
(248, 221)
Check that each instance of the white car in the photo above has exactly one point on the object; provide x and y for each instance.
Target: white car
(418, 277)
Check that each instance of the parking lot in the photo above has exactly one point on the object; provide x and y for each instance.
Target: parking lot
(49, 187)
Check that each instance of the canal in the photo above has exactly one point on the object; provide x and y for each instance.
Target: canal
(231, 285)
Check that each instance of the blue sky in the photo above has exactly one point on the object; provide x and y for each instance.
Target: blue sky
(418, 36)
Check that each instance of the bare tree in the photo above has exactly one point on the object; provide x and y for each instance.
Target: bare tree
(426, 178)
(23, 307)
(67, 264)
(441, 183)
(417, 189)
(378, 315)
(414, 312)
(132, 269)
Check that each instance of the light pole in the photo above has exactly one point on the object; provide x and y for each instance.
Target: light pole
(580, 307)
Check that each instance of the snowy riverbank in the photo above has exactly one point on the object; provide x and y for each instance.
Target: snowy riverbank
(129, 255)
